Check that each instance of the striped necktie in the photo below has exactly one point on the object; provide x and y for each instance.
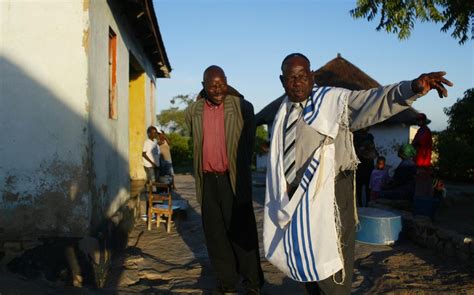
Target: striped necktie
(290, 137)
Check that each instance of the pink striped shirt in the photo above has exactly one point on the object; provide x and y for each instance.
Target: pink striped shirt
(214, 150)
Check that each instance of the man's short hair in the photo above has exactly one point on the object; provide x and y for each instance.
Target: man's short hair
(380, 158)
(212, 68)
(148, 130)
(291, 56)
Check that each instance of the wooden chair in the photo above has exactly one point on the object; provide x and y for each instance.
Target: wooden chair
(163, 211)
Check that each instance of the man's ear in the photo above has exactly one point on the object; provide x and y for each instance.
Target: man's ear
(282, 79)
(202, 83)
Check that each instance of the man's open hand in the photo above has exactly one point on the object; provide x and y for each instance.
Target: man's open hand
(434, 80)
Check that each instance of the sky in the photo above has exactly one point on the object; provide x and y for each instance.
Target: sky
(249, 39)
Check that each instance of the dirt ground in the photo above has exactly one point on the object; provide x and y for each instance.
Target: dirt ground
(156, 262)
(456, 212)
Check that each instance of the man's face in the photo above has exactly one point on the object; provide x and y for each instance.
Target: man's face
(297, 79)
(215, 85)
(153, 134)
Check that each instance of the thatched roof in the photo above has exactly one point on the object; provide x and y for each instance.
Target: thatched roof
(338, 72)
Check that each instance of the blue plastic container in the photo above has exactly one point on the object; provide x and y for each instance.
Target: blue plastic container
(378, 227)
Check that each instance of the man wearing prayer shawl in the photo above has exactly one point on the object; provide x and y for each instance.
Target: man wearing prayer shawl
(310, 215)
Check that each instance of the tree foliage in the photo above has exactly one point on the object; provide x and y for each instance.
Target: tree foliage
(455, 145)
(398, 16)
(461, 120)
(172, 119)
(181, 150)
(261, 140)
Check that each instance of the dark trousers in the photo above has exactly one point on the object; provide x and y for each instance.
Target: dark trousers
(364, 170)
(152, 173)
(345, 200)
(231, 234)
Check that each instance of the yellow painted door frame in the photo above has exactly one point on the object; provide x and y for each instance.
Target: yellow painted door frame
(137, 124)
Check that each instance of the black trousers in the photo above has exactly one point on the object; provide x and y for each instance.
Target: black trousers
(231, 234)
(344, 198)
(363, 173)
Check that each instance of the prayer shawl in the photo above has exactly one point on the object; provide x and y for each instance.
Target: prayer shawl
(301, 235)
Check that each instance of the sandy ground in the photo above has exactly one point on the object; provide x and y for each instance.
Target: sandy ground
(156, 262)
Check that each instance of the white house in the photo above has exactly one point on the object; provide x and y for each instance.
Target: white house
(392, 133)
(77, 93)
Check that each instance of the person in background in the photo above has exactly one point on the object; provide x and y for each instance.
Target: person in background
(378, 178)
(402, 185)
(366, 152)
(166, 163)
(151, 155)
(423, 143)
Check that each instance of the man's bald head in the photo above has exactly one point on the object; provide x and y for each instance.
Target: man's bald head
(215, 84)
(213, 71)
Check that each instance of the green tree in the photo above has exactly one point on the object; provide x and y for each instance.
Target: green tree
(398, 16)
(455, 145)
(261, 140)
(181, 150)
(261, 144)
(173, 119)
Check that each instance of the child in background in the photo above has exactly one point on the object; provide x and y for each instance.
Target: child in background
(378, 178)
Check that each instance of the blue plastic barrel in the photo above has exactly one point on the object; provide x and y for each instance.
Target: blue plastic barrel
(378, 227)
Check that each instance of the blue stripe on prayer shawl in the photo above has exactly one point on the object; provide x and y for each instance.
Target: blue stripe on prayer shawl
(309, 110)
(290, 267)
(300, 260)
(315, 104)
(309, 173)
(293, 255)
(315, 115)
(303, 233)
(304, 186)
(296, 247)
(309, 107)
(308, 228)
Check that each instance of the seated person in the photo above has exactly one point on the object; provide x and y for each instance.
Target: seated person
(402, 184)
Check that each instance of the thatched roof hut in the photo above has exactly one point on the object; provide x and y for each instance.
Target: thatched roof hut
(338, 72)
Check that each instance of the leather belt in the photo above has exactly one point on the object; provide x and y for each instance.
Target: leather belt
(216, 173)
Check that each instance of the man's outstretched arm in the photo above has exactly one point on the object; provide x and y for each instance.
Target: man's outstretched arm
(369, 107)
